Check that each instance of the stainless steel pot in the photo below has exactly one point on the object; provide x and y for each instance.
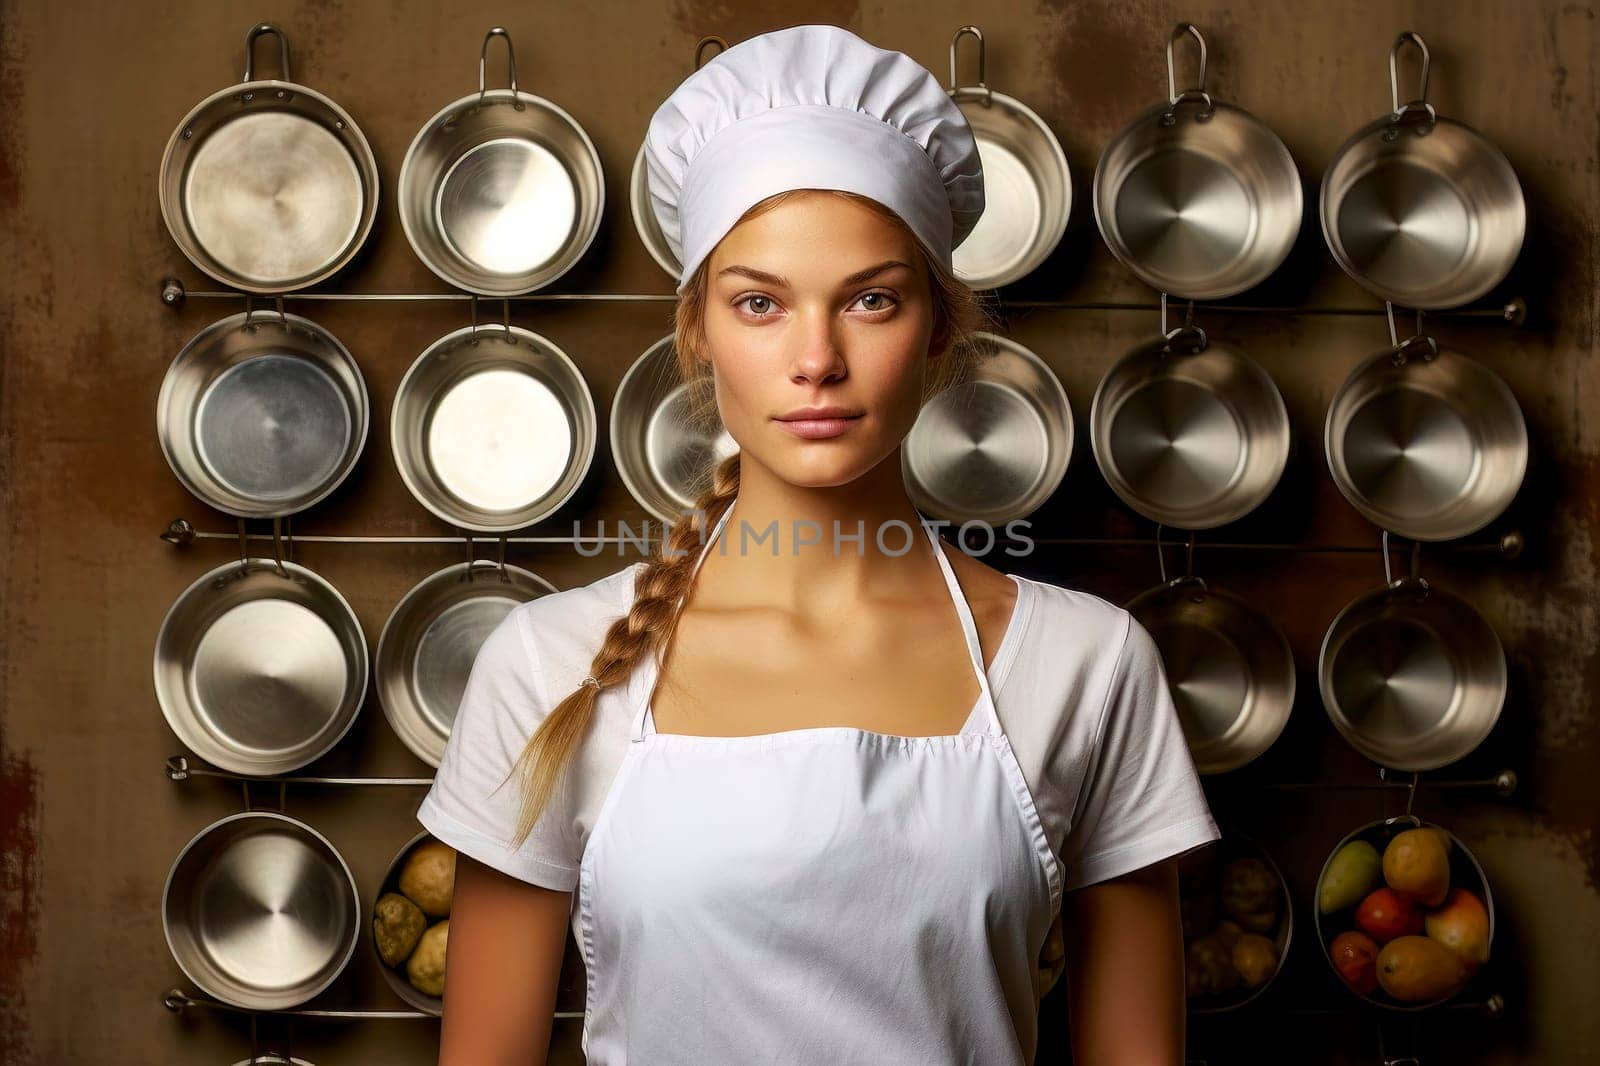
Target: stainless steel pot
(493, 428)
(993, 448)
(1189, 433)
(1413, 677)
(260, 666)
(432, 637)
(501, 192)
(1027, 185)
(262, 416)
(644, 213)
(1197, 198)
(1420, 210)
(1465, 871)
(1425, 441)
(261, 911)
(268, 186)
(663, 453)
(1229, 668)
(1231, 846)
(395, 978)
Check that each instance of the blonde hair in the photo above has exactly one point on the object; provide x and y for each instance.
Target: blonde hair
(661, 587)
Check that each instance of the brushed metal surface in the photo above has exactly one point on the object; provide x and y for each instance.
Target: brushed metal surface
(431, 639)
(493, 428)
(262, 415)
(1229, 668)
(1430, 445)
(995, 447)
(259, 671)
(261, 911)
(1412, 676)
(1188, 432)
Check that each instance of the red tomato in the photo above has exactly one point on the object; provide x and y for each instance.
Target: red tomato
(1355, 956)
(1386, 914)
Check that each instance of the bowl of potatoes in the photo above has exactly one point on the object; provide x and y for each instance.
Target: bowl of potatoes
(411, 921)
(1238, 919)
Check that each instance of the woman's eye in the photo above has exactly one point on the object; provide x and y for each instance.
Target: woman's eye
(884, 301)
(757, 305)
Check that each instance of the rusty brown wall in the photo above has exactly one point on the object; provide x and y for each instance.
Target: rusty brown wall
(93, 88)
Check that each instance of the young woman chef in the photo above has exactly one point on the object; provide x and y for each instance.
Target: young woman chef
(817, 796)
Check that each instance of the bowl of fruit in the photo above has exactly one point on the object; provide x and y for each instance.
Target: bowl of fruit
(1404, 913)
(411, 921)
(1238, 918)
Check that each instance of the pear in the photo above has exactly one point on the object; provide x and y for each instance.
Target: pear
(1417, 864)
(1417, 969)
(1353, 872)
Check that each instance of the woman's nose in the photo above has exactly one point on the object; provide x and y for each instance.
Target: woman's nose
(817, 351)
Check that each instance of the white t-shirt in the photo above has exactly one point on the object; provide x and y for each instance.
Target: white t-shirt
(1078, 683)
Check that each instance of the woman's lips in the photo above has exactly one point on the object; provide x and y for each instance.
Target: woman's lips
(818, 428)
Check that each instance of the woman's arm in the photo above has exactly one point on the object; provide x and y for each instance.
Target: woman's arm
(502, 964)
(1125, 981)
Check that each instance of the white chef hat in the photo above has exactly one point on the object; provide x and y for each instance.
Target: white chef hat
(810, 107)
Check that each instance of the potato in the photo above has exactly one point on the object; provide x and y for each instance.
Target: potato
(425, 967)
(428, 877)
(397, 925)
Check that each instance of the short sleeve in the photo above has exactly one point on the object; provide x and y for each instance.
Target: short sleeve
(1141, 800)
(468, 807)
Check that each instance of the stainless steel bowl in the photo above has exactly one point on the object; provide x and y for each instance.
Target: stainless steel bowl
(1027, 184)
(493, 428)
(663, 453)
(1465, 871)
(501, 192)
(268, 186)
(1236, 845)
(1426, 442)
(1420, 210)
(1229, 668)
(396, 978)
(1199, 199)
(430, 640)
(261, 911)
(994, 448)
(260, 667)
(1189, 433)
(262, 415)
(1411, 676)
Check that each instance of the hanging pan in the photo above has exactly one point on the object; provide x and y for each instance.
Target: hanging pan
(995, 447)
(1229, 668)
(501, 192)
(1420, 210)
(260, 666)
(260, 911)
(1189, 433)
(268, 186)
(1197, 198)
(664, 454)
(1411, 676)
(1425, 441)
(493, 428)
(1027, 186)
(644, 214)
(430, 640)
(262, 416)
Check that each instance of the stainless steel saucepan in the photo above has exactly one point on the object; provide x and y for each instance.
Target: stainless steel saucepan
(493, 428)
(260, 666)
(995, 447)
(1229, 668)
(644, 214)
(1027, 185)
(268, 186)
(430, 640)
(262, 416)
(501, 192)
(1199, 199)
(1425, 441)
(260, 911)
(1411, 676)
(1189, 433)
(663, 453)
(1421, 210)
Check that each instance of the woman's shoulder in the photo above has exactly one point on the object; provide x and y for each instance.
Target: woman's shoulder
(561, 630)
(1063, 617)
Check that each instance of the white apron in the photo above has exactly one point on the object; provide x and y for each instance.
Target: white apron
(824, 895)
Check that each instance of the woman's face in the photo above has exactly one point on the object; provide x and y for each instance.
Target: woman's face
(818, 302)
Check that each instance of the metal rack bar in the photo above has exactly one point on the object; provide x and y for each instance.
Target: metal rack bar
(174, 293)
(178, 769)
(177, 1001)
(1503, 784)
(181, 531)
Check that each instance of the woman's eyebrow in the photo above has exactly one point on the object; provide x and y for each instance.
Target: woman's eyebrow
(774, 279)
